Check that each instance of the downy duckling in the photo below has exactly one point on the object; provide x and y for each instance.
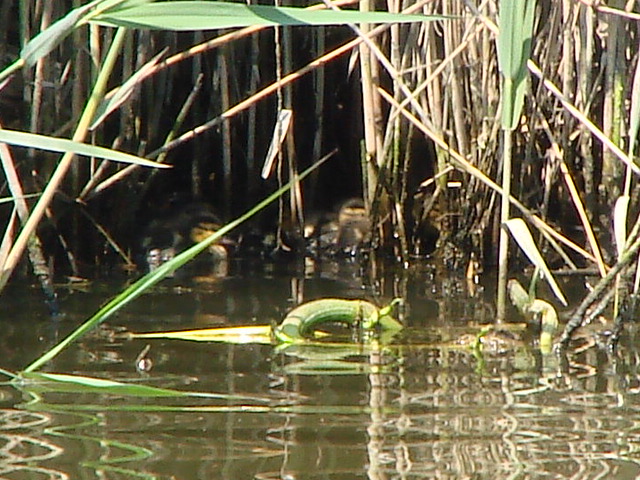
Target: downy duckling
(354, 227)
(347, 231)
(181, 228)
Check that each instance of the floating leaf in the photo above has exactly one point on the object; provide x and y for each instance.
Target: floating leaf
(78, 383)
(61, 382)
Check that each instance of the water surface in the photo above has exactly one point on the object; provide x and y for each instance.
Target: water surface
(425, 407)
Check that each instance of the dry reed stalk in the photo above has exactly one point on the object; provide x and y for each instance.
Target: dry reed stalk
(34, 247)
(611, 124)
(225, 102)
(370, 115)
(39, 75)
(584, 92)
(318, 109)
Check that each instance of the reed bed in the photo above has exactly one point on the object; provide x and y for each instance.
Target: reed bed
(414, 110)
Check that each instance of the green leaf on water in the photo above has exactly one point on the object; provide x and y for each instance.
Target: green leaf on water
(522, 235)
(38, 382)
(78, 383)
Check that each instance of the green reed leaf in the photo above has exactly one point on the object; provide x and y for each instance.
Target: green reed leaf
(515, 21)
(208, 15)
(55, 144)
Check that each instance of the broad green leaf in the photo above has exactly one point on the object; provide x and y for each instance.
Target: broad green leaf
(209, 15)
(515, 20)
(620, 210)
(522, 235)
(54, 144)
(47, 40)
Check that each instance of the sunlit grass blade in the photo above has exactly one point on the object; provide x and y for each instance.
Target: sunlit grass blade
(522, 235)
(207, 15)
(63, 145)
(260, 334)
(152, 278)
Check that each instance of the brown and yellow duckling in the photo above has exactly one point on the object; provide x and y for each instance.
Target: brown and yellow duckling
(180, 228)
(345, 232)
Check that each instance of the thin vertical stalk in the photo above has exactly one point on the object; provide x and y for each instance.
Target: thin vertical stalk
(39, 76)
(225, 99)
(503, 246)
(36, 255)
(611, 169)
(585, 82)
(368, 113)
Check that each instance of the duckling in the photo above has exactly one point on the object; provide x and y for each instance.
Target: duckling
(346, 232)
(321, 232)
(354, 227)
(182, 227)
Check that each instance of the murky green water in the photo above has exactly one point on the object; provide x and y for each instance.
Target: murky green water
(426, 409)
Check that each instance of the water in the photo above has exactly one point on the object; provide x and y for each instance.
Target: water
(428, 408)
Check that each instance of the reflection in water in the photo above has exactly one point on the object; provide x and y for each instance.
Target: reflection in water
(428, 408)
(20, 453)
